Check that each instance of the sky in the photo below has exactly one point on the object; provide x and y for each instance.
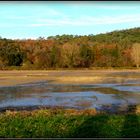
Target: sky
(22, 20)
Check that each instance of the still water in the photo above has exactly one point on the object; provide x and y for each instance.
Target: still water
(107, 97)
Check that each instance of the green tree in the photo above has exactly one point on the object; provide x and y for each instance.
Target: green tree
(86, 56)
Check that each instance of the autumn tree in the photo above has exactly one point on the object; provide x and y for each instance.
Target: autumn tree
(136, 54)
(70, 56)
(113, 49)
(11, 54)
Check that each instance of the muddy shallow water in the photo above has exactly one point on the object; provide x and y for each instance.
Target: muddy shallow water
(111, 97)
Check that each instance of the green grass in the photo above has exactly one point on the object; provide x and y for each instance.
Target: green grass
(61, 124)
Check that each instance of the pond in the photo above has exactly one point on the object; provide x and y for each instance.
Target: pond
(112, 97)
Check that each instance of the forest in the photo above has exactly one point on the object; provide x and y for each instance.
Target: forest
(120, 48)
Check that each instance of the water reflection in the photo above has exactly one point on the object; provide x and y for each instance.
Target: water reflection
(109, 97)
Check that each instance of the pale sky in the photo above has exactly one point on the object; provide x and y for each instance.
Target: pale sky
(20, 20)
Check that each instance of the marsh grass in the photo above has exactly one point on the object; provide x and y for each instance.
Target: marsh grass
(79, 76)
(68, 123)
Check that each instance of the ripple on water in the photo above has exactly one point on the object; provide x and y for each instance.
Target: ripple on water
(99, 96)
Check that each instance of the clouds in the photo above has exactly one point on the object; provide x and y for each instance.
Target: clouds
(83, 20)
(87, 21)
(74, 17)
(62, 17)
(106, 5)
(53, 12)
(83, 15)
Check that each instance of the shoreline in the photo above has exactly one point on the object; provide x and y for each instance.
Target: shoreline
(15, 77)
(131, 109)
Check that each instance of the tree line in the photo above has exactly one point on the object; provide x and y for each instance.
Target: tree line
(113, 49)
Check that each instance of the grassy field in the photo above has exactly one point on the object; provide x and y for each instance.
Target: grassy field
(70, 123)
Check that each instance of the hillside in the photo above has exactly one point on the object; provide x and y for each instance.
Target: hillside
(113, 49)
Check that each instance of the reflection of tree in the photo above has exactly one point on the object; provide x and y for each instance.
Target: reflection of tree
(121, 97)
(108, 90)
(40, 100)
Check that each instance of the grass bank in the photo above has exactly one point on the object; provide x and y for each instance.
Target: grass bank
(68, 124)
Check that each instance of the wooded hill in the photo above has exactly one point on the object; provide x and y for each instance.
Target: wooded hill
(113, 49)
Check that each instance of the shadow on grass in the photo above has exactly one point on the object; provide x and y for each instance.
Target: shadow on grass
(91, 127)
(131, 127)
(110, 126)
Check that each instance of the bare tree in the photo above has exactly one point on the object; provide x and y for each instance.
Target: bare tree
(136, 54)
